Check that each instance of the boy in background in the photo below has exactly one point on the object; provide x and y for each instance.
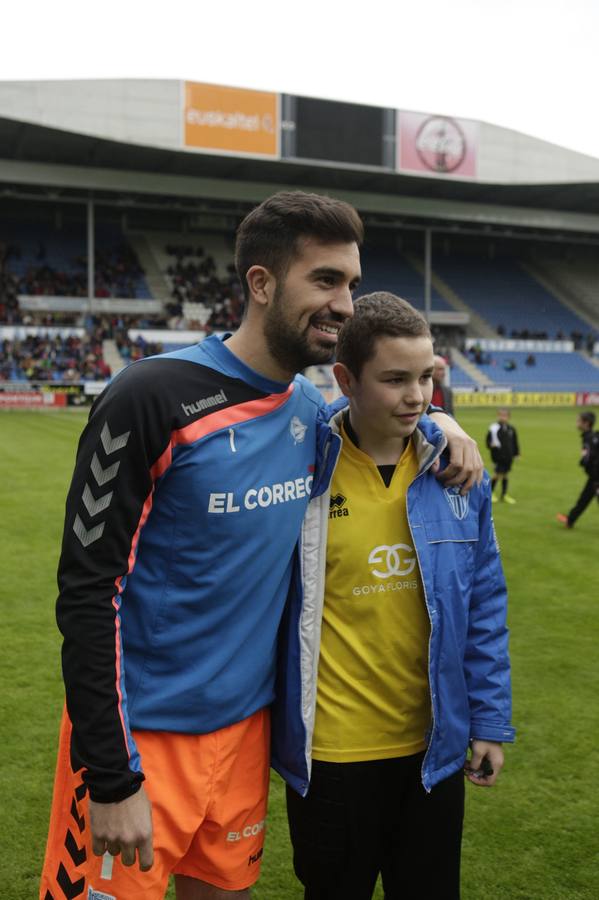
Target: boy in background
(589, 460)
(400, 659)
(502, 441)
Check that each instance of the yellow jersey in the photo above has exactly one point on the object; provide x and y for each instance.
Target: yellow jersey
(373, 699)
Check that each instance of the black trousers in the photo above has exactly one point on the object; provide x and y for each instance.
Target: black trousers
(502, 460)
(589, 491)
(362, 819)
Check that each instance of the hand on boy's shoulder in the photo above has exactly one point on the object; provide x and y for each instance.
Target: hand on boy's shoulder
(465, 466)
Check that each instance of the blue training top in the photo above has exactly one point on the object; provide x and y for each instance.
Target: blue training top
(192, 479)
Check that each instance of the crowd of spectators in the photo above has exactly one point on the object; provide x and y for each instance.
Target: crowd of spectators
(203, 298)
(196, 285)
(117, 274)
(116, 271)
(479, 356)
(114, 325)
(581, 341)
(132, 350)
(9, 301)
(57, 358)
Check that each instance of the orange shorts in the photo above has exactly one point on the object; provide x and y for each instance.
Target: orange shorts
(209, 795)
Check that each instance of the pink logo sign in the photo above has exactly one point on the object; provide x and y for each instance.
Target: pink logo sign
(436, 144)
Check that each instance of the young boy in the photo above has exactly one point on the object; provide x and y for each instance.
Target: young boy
(400, 658)
(502, 441)
(589, 460)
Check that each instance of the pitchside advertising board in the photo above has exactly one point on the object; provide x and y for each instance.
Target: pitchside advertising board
(31, 400)
(26, 395)
(526, 398)
(242, 122)
(58, 397)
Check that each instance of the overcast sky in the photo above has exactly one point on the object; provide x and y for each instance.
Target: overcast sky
(531, 65)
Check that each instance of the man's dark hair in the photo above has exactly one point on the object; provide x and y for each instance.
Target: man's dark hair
(269, 235)
(376, 315)
(588, 417)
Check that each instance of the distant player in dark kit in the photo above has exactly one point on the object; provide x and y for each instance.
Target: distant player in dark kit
(589, 460)
(502, 441)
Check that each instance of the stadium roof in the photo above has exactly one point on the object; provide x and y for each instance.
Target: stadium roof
(58, 160)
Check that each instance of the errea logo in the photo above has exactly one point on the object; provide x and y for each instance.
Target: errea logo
(337, 506)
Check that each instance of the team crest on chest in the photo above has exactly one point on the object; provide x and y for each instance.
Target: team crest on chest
(459, 505)
(297, 429)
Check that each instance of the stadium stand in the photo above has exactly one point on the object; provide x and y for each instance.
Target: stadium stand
(39, 260)
(512, 232)
(508, 297)
(205, 296)
(201, 279)
(388, 270)
(460, 378)
(575, 279)
(549, 371)
(201, 293)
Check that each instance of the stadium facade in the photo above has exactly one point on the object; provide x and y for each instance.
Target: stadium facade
(485, 228)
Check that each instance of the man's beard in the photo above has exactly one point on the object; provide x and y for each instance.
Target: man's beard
(286, 344)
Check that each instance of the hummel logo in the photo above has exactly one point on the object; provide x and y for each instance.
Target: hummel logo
(87, 537)
(112, 444)
(92, 505)
(102, 476)
(205, 403)
(337, 507)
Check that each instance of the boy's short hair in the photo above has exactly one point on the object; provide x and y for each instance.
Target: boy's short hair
(269, 234)
(588, 417)
(380, 314)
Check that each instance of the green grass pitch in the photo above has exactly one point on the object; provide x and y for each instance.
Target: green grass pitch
(533, 837)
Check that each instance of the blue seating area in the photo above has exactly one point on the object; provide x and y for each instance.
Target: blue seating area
(461, 378)
(65, 251)
(387, 270)
(552, 371)
(504, 294)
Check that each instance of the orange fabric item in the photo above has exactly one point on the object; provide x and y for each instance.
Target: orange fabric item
(209, 795)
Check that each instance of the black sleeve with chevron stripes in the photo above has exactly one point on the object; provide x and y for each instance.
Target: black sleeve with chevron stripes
(121, 455)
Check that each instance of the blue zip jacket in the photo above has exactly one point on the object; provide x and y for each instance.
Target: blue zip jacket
(465, 594)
